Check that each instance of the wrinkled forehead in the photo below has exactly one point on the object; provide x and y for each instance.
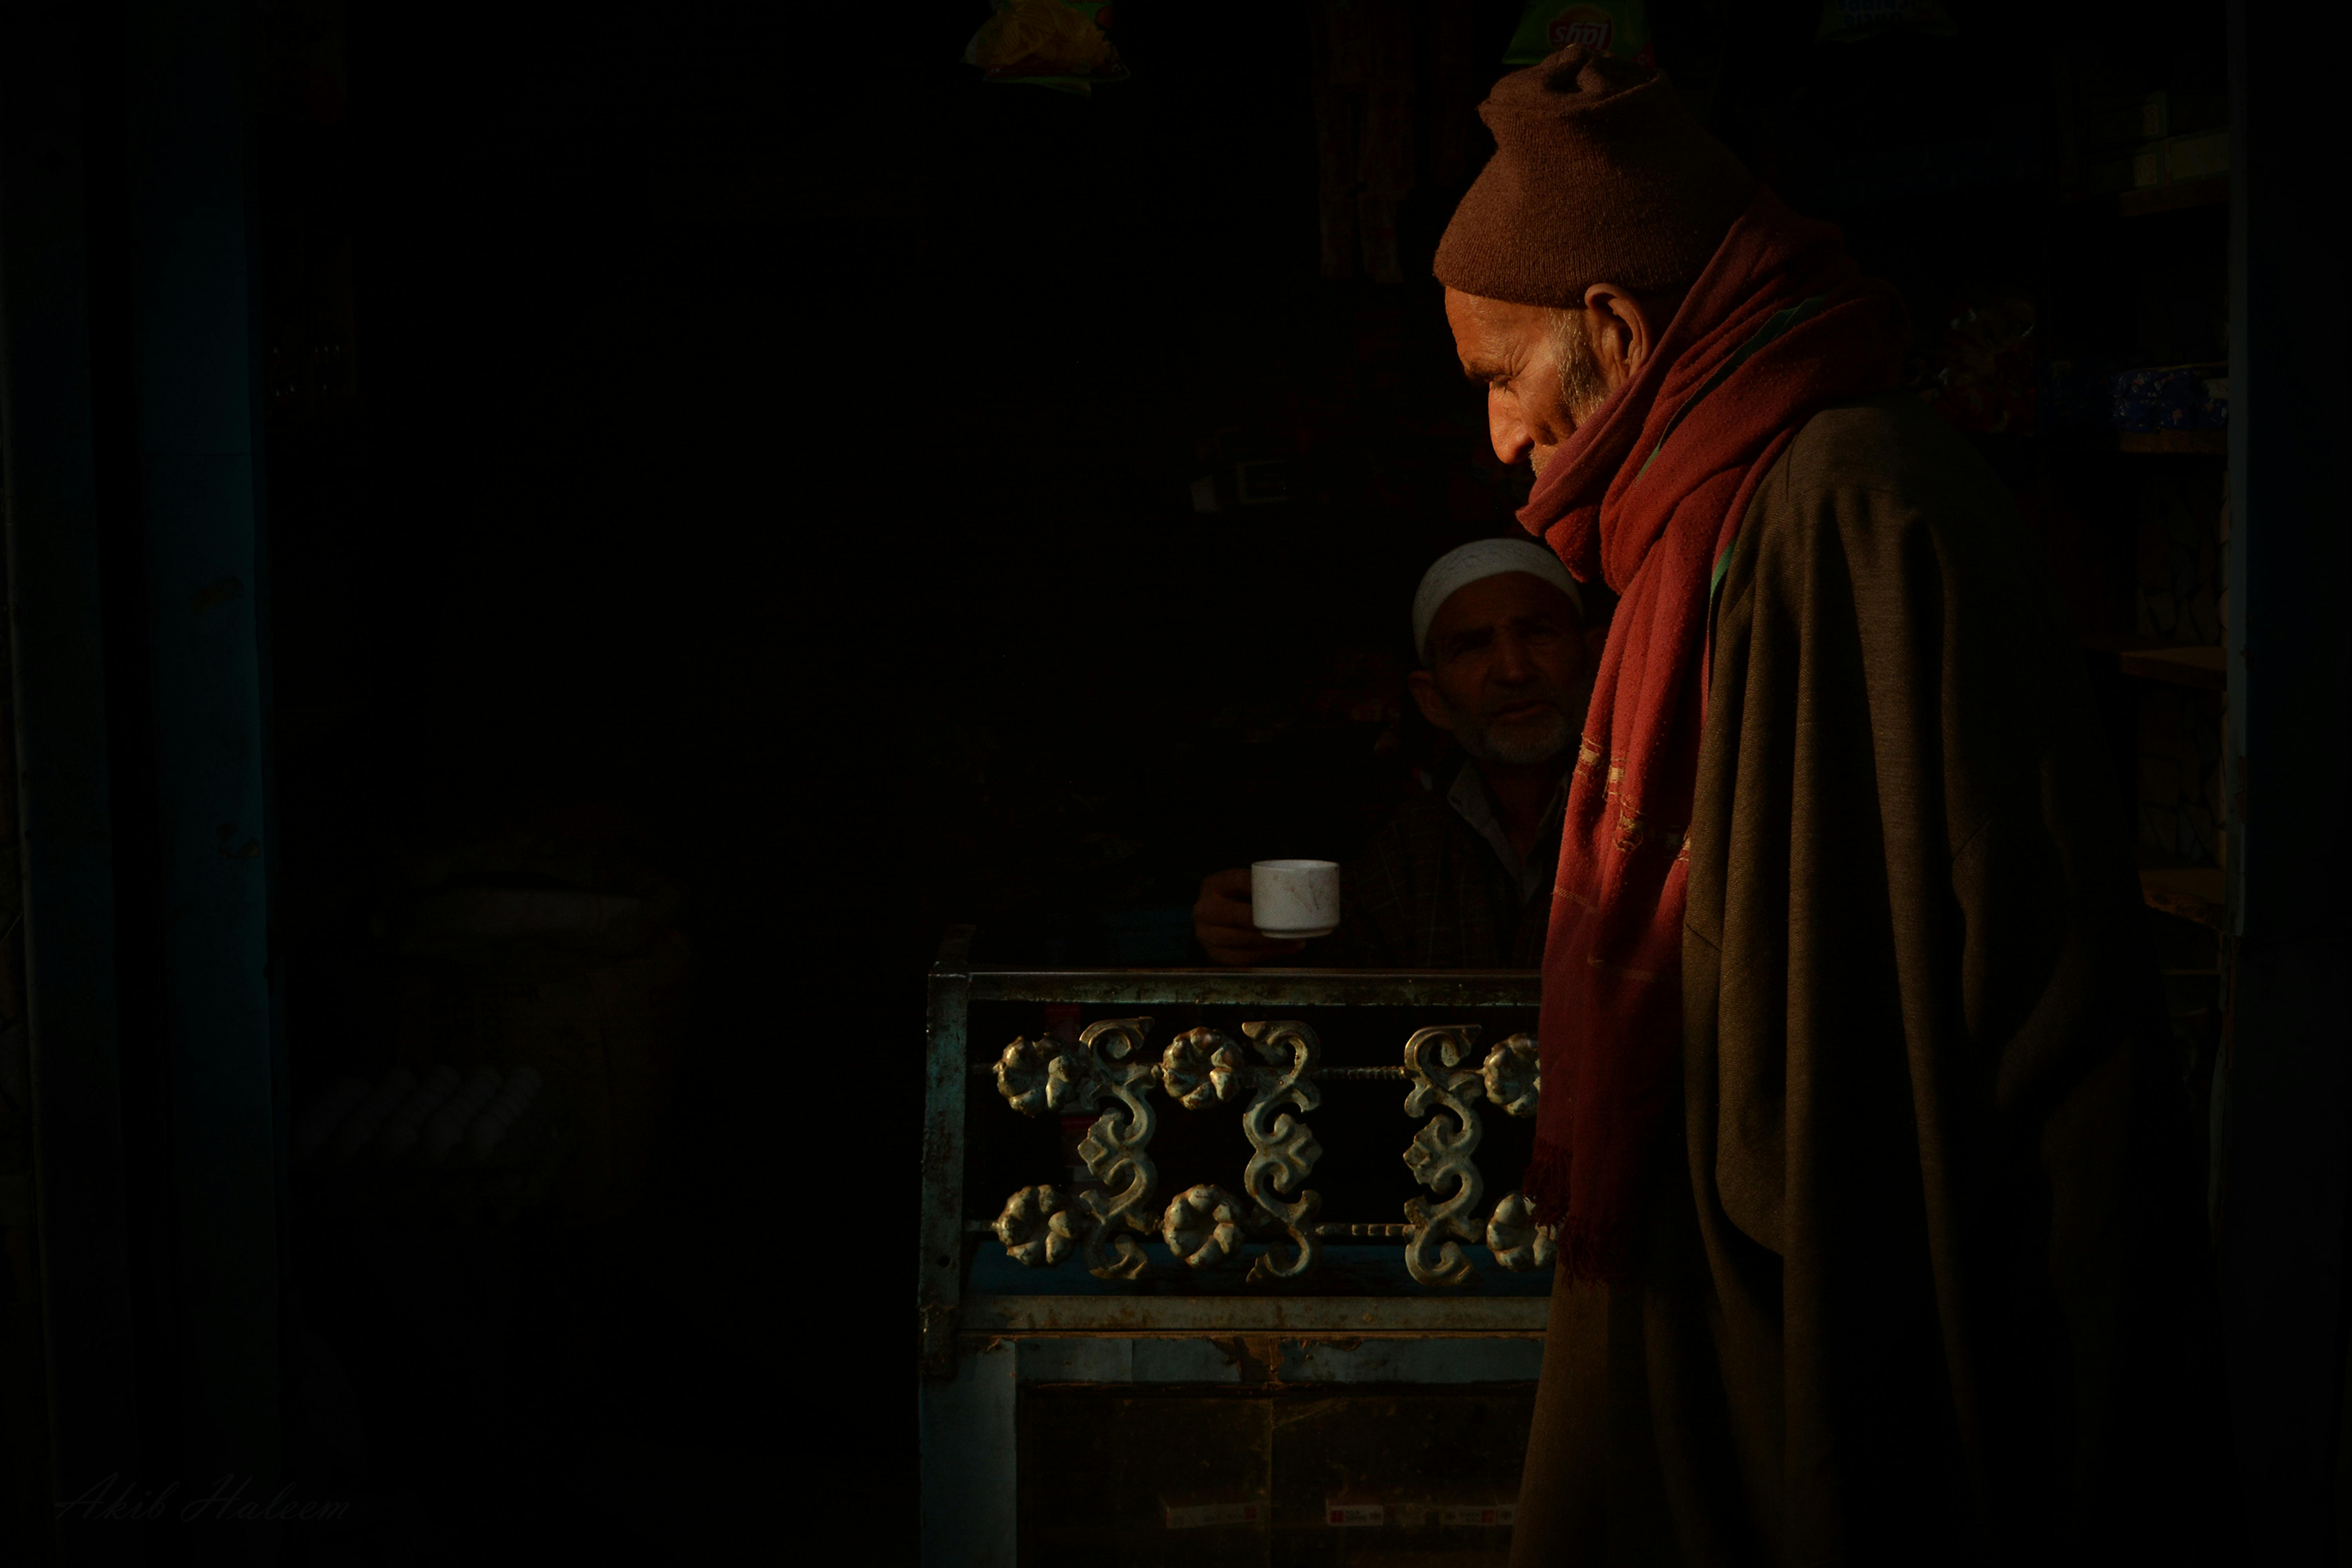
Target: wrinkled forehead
(1498, 600)
(1487, 329)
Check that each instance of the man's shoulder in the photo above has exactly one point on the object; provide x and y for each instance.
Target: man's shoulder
(1892, 443)
(1885, 487)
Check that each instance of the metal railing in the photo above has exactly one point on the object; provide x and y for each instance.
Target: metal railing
(1272, 1075)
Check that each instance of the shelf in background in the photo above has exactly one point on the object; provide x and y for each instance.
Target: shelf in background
(2172, 198)
(2192, 892)
(2199, 667)
(2145, 202)
(2213, 442)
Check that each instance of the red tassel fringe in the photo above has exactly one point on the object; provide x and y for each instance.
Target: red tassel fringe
(1588, 1251)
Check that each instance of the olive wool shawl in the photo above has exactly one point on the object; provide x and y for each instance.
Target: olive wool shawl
(1920, 1273)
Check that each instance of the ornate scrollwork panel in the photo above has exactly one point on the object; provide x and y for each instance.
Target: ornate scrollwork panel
(1517, 1241)
(1046, 1075)
(1204, 1225)
(1112, 1067)
(1514, 1076)
(1440, 1157)
(1038, 1228)
(1020, 1075)
(1201, 1066)
(1116, 1147)
(1283, 1152)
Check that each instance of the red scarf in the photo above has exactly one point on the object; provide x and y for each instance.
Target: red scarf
(1647, 495)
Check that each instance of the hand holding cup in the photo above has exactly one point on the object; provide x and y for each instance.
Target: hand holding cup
(1222, 922)
(1238, 925)
(1295, 901)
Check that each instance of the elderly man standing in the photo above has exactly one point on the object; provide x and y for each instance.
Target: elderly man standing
(1878, 1224)
(1461, 880)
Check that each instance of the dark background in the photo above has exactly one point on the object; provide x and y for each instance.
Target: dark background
(777, 458)
(760, 457)
(540, 556)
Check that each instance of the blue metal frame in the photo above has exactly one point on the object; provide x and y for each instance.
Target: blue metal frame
(979, 1346)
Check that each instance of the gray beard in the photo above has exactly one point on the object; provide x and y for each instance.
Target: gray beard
(1523, 746)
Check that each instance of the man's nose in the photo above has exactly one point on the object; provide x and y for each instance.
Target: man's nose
(1506, 429)
(1513, 666)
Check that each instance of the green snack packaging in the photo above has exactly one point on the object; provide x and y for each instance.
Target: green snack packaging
(1615, 27)
(1058, 43)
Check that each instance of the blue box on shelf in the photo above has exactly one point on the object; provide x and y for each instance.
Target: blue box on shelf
(2173, 397)
(2083, 394)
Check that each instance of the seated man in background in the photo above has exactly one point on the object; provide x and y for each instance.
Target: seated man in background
(1460, 876)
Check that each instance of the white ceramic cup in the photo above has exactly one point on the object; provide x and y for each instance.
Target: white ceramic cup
(1294, 900)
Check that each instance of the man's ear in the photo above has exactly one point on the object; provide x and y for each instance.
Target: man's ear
(1618, 327)
(1596, 638)
(1425, 698)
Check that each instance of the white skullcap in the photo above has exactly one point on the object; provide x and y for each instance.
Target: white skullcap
(1480, 559)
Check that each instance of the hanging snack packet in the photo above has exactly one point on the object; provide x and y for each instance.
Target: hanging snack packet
(1047, 43)
(1617, 28)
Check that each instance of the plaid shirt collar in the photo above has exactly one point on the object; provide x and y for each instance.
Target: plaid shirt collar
(1475, 804)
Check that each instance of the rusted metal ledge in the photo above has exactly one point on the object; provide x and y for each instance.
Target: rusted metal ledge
(1247, 987)
(1260, 1359)
(1340, 1315)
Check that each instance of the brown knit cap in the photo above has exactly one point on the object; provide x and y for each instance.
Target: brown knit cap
(1599, 175)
